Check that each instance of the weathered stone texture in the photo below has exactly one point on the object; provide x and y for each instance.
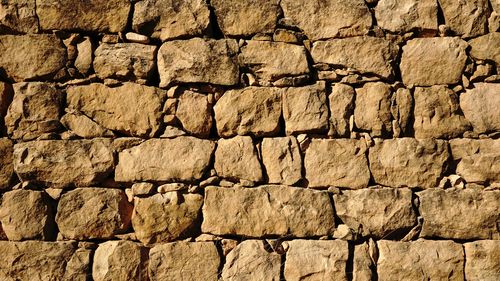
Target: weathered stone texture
(482, 260)
(341, 102)
(363, 263)
(372, 110)
(407, 15)
(19, 16)
(120, 260)
(480, 106)
(6, 162)
(402, 108)
(236, 158)
(282, 159)
(478, 160)
(466, 18)
(486, 47)
(194, 112)
(83, 126)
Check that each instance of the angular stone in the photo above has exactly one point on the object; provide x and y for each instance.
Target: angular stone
(271, 61)
(181, 158)
(282, 159)
(31, 57)
(246, 18)
(482, 260)
(402, 105)
(198, 60)
(166, 19)
(464, 214)
(241, 210)
(407, 15)
(368, 55)
(236, 158)
(61, 163)
(35, 110)
(437, 113)
(166, 217)
(93, 15)
(130, 109)
(480, 106)
(329, 19)
(433, 61)
(90, 213)
(194, 112)
(197, 261)
(408, 162)
(363, 263)
(6, 162)
(477, 159)
(250, 261)
(432, 260)
(340, 162)
(486, 48)
(40, 261)
(373, 109)
(251, 110)
(305, 109)
(132, 61)
(83, 126)
(341, 102)
(316, 260)
(466, 18)
(6, 96)
(120, 260)
(83, 61)
(27, 215)
(18, 16)
(378, 213)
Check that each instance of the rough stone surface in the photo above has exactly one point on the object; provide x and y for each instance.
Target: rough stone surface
(83, 126)
(407, 15)
(282, 160)
(194, 112)
(236, 158)
(340, 163)
(373, 109)
(120, 260)
(486, 47)
(363, 263)
(6, 162)
(480, 106)
(83, 61)
(284, 208)
(477, 159)
(19, 16)
(466, 18)
(402, 107)
(482, 260)
(341, 102)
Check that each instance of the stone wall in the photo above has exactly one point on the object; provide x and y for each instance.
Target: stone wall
(250, 140)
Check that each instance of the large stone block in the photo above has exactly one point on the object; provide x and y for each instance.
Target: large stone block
(236, 158)
(478, 160)
(6, 162)
(466, 18)
(19, 16)
(480, 106)
(282, 159)
(407, 15)
(372, 111)
(120, 260)
(194, 112)
(482, 260)
(486, 47)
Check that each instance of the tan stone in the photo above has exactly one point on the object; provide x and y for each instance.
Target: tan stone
(30, 57)
(198, 60)
(181, 158)
(408, 162)
(480, 106)
(251, 110)
(198, 261)
(316, 260)
(429, 260)
(194, 112)
(282, 159)
(83, 126)
(6, 96)
(18, 16)
(466, 18)
(27, 215)
(250, 261)
(236, 158)
(6, 162)
(341, 101)
(437, 113)
(242, 210)
(120, 260)
(166, 19)
(433, 61)
(89, 213)
(368, 55)
(83, 61)
(407, 15)
(340, 162)
(131, 109)
(477, 159)
(373, 109)
(132, 61)
(402, 105)
(464, 214)
(35, 110)
(61, 163)
(305, 109)
(329, 19)
(93, 15)
(486, 48)
(166, 217)
(362, 263)
(482, 260)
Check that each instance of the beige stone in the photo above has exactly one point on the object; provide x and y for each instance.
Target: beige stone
(194, 112)
(402, 105)
(18, 16)
(181, 158)
(433, 61)
(83, 61)
(131, 61)
(407, 15)
(61, 163)
(482, 260)
(143, 188)
(196, 261)
(480, 106)
(373, 109)
(83, 126)
(341, 102)
(30, 57)
(340, 162)
(429, 260)
(250, 261)
(6, 162)
(368, 55)
(464, 214)
(120, 260)
(486, 48)
(477, 159)
(282, 159)
(27, 215)
(166, 19)
(305, 109)
(89, 213)
(329, 19)
(362, 263)
(408, 162)
(316, 260)
(437, 113)
(131, 109)
(236, 158)
(242, 210)
(93, 15)
(6, 96)
(466, 18)
(251, 110)
(198, 60)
